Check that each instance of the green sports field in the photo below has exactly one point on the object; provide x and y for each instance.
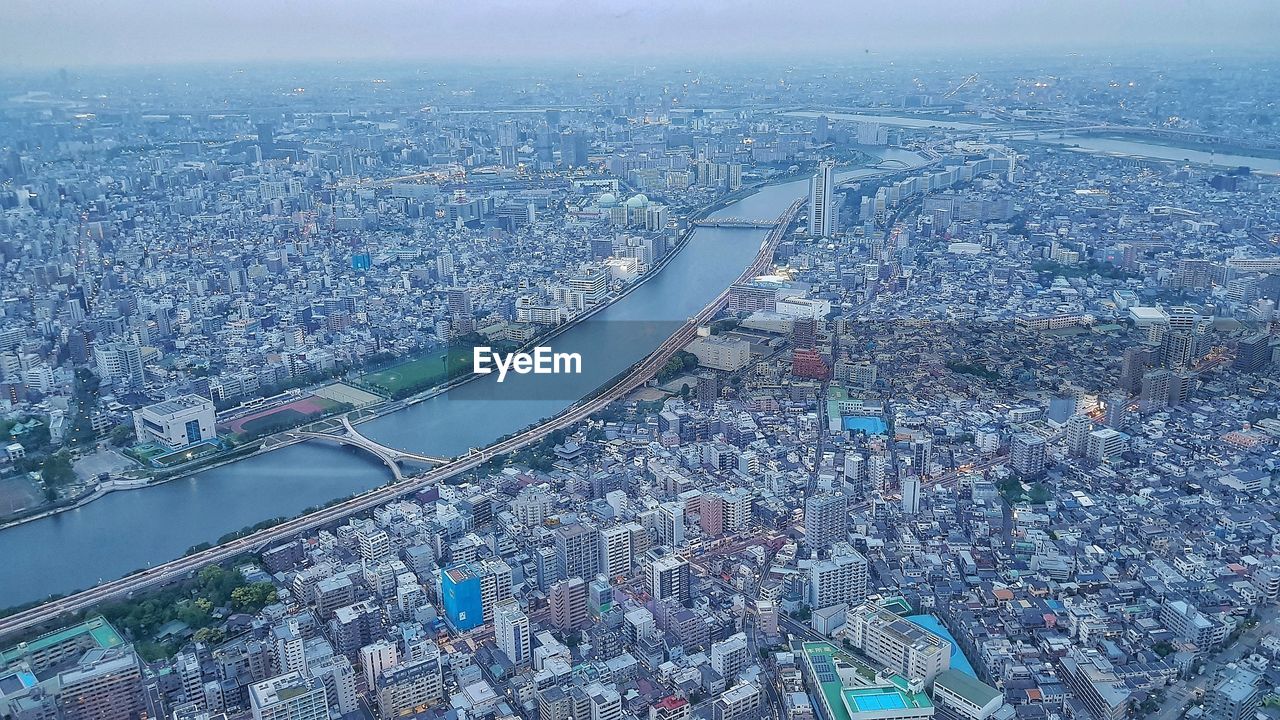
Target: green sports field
(420, 373)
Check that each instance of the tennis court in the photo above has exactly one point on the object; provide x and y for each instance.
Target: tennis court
(344, 393)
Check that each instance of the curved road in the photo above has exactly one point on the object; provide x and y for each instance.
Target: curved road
(176, 570)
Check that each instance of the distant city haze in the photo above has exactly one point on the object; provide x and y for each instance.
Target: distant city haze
(77, 33)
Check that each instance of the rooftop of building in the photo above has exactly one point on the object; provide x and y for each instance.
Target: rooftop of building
(96, 628)
(966, 686)
(824, 659)
(869, 701)
(905, 630)
(279, 689)
(176, 405)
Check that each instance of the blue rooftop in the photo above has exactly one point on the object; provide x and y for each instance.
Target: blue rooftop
(865, 423)
(958, 660)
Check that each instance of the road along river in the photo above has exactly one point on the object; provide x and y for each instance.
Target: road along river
(131, 530)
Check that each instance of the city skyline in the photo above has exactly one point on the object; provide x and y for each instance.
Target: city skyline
(43, 35)
(933, 380)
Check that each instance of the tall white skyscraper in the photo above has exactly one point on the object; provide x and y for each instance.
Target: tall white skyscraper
(511, 630)
(615, 551)
(822, 212)
(911, 494)
(376, 659)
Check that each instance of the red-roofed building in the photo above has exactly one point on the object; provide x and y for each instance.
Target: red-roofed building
(670, 708)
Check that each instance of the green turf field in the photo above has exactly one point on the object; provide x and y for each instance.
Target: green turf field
(420, 373)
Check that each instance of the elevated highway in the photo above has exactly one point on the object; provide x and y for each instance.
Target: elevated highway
(734, 222)
(182, 568)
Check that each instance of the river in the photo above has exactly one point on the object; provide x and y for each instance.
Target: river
(476, 413)
(917, 123)
(1134, 148)
(1119, 146)
(129, 530)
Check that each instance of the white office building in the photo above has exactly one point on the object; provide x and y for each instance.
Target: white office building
(721, 353)
(176, 423)
(511, 631)
(903, 646)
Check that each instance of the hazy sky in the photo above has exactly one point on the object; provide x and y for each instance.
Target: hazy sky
(42, 33)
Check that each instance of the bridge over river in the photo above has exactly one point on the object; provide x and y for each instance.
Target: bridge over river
(734, 222)
(347, 434)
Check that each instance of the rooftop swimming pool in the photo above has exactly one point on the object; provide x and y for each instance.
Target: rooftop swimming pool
(868, 424)
(874, 703)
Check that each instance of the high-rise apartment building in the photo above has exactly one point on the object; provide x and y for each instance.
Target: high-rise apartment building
(289, 697)
(737, 703)
(120, 363)
(469, 592)
(822, 210)
(667, 575)
(577, 551)
(569, 604)
(511, 631)
(1078, 428)
(376, 659)
(737, 509)
(411, 685)
(911, 495)
(1028, 453)
(841, 580)
(615, 551)
(106, 684)
(826, 520)
(605, 703)
(730, 656)
(671, 523)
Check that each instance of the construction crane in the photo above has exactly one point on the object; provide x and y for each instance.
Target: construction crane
(963, 84)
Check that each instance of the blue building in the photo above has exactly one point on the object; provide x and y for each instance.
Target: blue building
(460, 593)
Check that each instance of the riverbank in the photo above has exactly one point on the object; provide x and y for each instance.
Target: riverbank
(1225, 148)
(1157, 151)
(472, 416)
(280, 440)
(174, 570)
(123, 531)
(119, 484)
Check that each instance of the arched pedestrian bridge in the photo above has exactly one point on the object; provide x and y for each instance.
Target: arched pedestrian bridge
(394, 458)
